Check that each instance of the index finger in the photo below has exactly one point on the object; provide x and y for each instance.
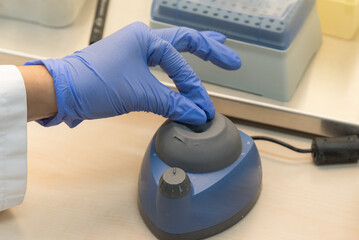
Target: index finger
(187, 82)
(207, 45)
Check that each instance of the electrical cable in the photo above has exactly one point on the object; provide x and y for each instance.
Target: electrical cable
(325, 151)
(284, 144)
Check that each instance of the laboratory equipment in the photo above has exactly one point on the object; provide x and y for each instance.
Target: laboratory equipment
(339, 18)
(275, 39)
(52, 13)
(99, 21)
(196, 181)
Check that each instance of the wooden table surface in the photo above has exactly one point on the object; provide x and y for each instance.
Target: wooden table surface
(82, 184)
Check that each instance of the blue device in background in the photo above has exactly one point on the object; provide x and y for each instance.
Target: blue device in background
(276, 40)
(268, 23)
(196, 181)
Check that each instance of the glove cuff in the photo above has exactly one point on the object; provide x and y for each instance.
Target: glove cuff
(64, 98)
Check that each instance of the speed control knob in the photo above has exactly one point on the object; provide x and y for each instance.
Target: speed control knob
(174, 183)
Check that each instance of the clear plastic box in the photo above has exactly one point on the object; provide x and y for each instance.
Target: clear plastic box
(52, 13)
(339, 18)
(268, 23)
(276, 39)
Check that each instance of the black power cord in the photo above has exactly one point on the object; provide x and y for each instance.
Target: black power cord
(284, 144)
(325, 151)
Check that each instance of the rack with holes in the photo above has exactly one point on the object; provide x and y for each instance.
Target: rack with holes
(275, 40)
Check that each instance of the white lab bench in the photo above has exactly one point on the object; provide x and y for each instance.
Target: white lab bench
(82, 182)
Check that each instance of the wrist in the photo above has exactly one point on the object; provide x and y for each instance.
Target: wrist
(40, 92)
(61, 73)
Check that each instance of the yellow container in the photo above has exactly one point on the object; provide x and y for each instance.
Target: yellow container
(339, 18)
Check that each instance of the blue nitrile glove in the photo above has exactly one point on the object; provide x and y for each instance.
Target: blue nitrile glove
(111, 77)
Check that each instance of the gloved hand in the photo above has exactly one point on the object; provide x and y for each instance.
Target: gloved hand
(111, 77)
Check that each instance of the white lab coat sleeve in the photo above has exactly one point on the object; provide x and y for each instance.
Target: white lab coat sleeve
(13, 142)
